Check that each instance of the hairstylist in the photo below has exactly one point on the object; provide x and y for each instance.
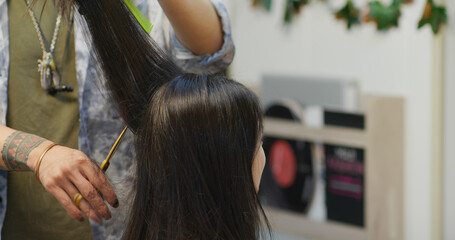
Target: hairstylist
(38, 188)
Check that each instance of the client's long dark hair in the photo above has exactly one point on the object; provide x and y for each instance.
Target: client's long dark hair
(196, 135)
(198, 140)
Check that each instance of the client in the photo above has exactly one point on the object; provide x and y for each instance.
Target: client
(197, 137)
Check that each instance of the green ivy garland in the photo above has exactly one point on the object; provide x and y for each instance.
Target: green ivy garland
(384, 16)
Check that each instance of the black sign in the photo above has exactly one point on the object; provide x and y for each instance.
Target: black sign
(345, 191)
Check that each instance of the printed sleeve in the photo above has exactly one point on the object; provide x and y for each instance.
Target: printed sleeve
(212, 63)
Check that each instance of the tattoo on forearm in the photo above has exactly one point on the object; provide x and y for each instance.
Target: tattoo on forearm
(16, 149)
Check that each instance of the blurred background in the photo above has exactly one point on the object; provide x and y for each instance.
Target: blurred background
(309, 53)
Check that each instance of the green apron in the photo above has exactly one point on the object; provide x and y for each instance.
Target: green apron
(33, 213)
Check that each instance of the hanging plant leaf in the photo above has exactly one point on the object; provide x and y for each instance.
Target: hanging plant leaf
(433, 15)
(385, 17)
(293, 7)
(349, 13)
(406, 1)
(265, 3)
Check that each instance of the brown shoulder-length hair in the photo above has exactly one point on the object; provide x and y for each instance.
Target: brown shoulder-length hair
(196, 135)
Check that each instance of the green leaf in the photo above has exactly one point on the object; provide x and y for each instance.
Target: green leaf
(433, 15)
(385, 17)
(266, 3)
(293, 7)
(349, 13)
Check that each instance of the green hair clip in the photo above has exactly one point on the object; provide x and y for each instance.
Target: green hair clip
(145, 23)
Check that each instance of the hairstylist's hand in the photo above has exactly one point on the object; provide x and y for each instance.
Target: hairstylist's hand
(65, 172)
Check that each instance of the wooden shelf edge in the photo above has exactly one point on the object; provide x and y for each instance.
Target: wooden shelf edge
(287, 129)
(302, 226)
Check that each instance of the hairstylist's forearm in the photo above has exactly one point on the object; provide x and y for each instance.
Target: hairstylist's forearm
(196, 24)
(19, 150)
(64, 172)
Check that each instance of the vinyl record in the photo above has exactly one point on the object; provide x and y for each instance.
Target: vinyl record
(285, 109)
(287, 181)
(288, 178)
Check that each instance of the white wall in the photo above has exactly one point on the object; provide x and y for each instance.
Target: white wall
(449, 177)
(397, 63)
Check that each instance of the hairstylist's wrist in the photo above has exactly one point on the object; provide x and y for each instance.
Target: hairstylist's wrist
(36, 153)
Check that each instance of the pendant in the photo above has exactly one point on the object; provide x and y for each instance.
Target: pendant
(48, 73)
(45, 82)
(49, 77)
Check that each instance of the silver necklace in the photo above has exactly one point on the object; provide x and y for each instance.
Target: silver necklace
(49, 77)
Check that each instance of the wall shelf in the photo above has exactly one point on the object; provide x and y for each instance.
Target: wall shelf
(383, 141)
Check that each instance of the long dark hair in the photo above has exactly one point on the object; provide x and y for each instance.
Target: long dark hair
(196, 135)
